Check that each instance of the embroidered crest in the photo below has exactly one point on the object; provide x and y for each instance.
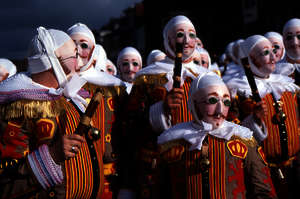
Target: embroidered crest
(262, 155)
(237, 148)
(45, 129)
(14, 142)
(110, 103)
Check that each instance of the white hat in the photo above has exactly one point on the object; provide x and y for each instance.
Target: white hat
(295, 22)
(247, 47)
(127, 51)
(101, 58)
(277, 36)
(273, 34)
(251, 42)
(9, 66)
(204, 80)
(42, 53)
(228, 49)
(110, 63)
(153, 55)
(205, 52)
(173, 22)
(81, 29)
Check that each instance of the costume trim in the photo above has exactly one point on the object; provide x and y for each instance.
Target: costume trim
(237, 148)
(31, 109)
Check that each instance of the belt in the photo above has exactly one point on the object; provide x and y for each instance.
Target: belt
(8, 164)
(109, 169)
(286, 163)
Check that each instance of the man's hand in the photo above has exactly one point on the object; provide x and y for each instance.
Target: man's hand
(65, 147)
(260, 111)
(71, 145)
(173, 99)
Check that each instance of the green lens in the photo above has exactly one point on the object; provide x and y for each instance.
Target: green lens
(213, 100)
(227, 102)
(180, 35)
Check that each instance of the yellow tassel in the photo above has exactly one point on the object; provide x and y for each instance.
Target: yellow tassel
(30, 109)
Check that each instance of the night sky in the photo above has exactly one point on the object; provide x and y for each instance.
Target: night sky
(20, 18)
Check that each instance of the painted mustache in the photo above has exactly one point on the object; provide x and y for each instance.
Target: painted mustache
(217, 115)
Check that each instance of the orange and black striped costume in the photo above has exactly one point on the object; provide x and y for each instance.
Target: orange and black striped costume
(236, 170)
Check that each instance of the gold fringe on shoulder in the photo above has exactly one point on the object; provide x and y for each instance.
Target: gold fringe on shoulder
(107, 91)
(168, 145)
(31, 109)
(157, 79)
(249, 142)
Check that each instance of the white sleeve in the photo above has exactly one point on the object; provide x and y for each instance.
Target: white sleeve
(259, 133)
(158, 120)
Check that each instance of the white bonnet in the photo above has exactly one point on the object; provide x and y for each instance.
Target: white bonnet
(101, 58)
(173, 22)
(251, 42)
(205, 52)
(81, 29)
(127, 51)
(295, 22)
(204, 80)
(110, 63)
(9, 66)
(153, 55)
(38, 57)
(228, 49)
(273, 34)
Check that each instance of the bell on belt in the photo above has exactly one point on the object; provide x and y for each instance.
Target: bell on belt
(95, 133)
(205, 163)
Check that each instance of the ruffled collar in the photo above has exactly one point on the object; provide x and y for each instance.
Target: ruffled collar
(276, 84)
(195, 133)
(20, 86)
(167, 65)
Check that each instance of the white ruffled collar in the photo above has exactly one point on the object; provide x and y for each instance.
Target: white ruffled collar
(195, 133)
(89, 76)
(276, 84)
(166, 66)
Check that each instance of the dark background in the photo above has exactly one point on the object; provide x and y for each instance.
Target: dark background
(139, 23)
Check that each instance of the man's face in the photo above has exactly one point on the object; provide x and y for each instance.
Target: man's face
(204, 60)
(263, 57)
(85, 48)
(129, 66)
(3, 73)
(278, 46)
(67, 56)
(110, 69)
(291, 40)
(185, 34)
(212, 104)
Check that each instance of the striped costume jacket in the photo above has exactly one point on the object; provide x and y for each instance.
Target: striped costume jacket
(218, 168)
(146, 121)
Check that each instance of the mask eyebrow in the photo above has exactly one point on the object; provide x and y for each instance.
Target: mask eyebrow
(226, 95)
(83, 40)
(213, 93)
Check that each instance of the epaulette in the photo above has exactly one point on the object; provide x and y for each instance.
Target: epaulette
(172, 151)
(107, 91)
(251, 142)
(238, 147)
(156, 79)
(32, 109)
